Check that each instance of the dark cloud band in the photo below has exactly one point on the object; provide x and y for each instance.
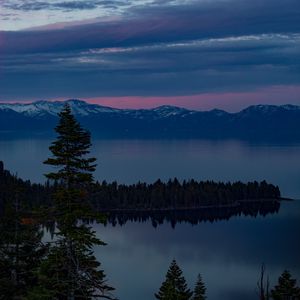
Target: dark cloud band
(158, 49)
(64, 5)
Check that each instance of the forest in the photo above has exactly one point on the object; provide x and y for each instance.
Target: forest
(174, 202)
(172, 195)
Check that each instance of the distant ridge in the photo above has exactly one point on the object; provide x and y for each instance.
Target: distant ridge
(81, 107)
(258, 122)
(39, 108)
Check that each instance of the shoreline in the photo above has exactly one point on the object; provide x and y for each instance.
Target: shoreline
(236, 204)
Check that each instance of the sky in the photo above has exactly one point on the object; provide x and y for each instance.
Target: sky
(203, 54)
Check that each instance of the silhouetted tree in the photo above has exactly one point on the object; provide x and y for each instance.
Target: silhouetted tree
(286, 288)
(174, 287)
(71, 270)
(200, 289)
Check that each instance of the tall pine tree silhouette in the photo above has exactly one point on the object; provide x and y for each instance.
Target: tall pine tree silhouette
(174, 287)
(200, 289)
(71, 270)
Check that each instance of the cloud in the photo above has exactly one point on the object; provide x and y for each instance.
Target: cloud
(229, 101)
(28, 6)
(212, 55)
(158, 24)
(163, 48)
(65, 5)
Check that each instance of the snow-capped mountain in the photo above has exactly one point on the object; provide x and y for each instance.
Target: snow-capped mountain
(263, 122)
(41, 108)
(168, 110)
(269, 109)
(82, 108)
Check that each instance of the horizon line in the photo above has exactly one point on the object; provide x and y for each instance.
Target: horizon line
(138, 108)
(231, 101)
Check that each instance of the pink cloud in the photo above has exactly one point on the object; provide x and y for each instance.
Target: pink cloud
(230, 101)
(63, 25)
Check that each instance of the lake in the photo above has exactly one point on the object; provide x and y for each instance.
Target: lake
(129, 161)
(228, 254)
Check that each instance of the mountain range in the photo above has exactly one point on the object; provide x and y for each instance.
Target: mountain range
(259, 122)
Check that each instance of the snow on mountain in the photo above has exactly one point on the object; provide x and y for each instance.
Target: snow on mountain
(41, 108)
(168, 111)
(290, 107)
(267, 109)
(259, 122)
(82, 108)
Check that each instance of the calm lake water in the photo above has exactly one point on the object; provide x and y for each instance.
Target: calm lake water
(228, 254)
(129, 161)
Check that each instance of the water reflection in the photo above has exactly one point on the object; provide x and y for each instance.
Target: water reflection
(227, 247)
(194, 216)
(227, 253)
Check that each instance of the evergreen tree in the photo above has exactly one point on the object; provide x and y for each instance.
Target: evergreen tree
(69, 151)
(200, 289)
(286, 288)
(174, 287)
(71, 270)
(21, 250)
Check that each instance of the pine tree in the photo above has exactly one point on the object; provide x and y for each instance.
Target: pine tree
(69, 151)
(71, 270)
(174, 287)
(200, 289)
(286, 288)
(21, 250)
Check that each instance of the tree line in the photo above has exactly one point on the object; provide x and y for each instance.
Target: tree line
(174, 201)
(175, 287)
(176, 195)
(159, 195)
